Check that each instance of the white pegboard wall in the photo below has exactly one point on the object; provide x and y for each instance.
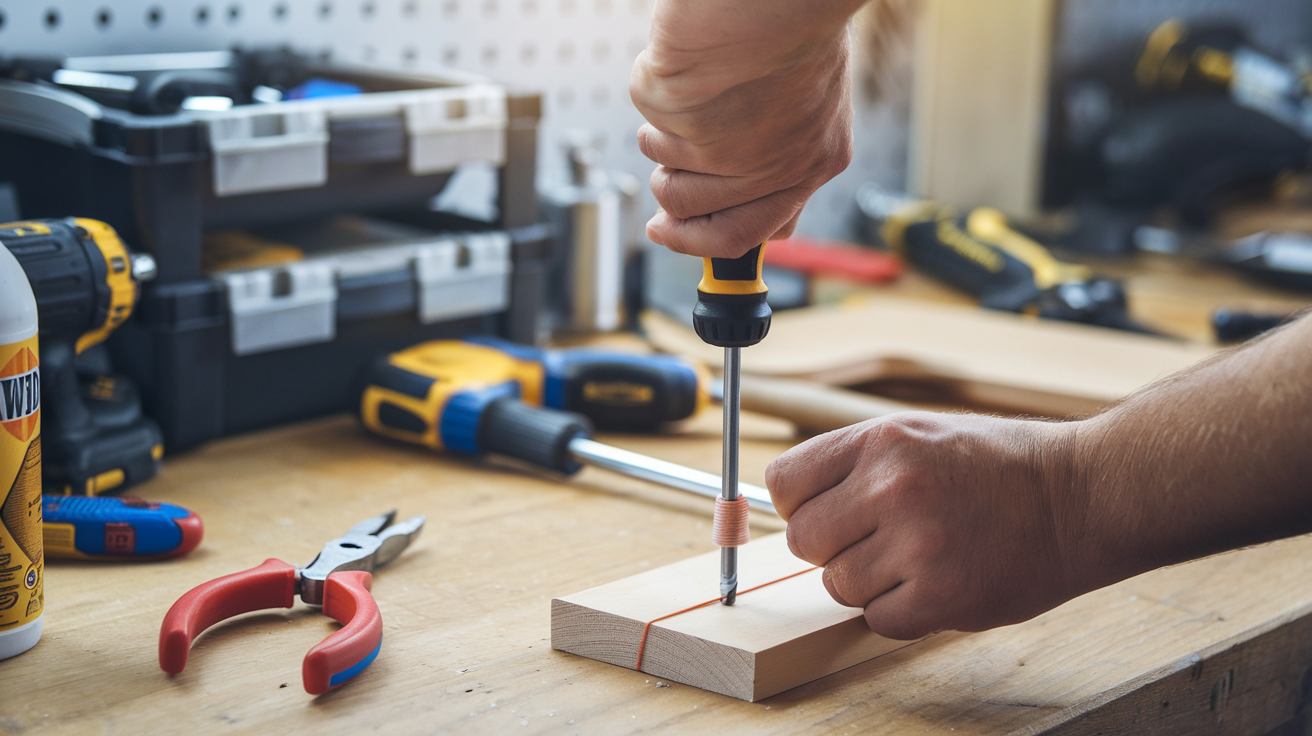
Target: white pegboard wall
(578, 53)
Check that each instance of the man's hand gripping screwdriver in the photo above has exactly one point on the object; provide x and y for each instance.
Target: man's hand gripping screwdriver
(475, 398)
(731, 313)
(338, 579)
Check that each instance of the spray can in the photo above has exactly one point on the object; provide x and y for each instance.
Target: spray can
(22, 576)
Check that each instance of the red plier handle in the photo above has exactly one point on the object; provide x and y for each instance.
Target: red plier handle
(330, 663)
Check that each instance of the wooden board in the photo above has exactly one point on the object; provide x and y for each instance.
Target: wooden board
(773, 639)
(979, 102)
(992, 358)
(466, 614)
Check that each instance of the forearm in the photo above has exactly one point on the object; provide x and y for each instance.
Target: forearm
(740, 34)
(1214, 458)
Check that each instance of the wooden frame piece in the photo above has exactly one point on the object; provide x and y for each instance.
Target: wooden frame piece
(773, 639)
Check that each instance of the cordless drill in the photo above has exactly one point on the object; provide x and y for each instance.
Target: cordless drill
(86, 285)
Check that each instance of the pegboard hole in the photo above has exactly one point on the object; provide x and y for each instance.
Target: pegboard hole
(202, 15)
(490, 8)
(52, 19)
(565, 98)
(451, 8)
(603, 7)
(368, 53)
(234, 13)
(528, 55)
(410, 9)
(638, 7)
(367, 10)
(410, 55)
(568, 7)
(450, 55)
(528, 8)
(280, 12)
(565, 53)
(600, 52)
(2, 20)
(155, 16)
(489, 55)
(325, 10)
(104, 19)
(600, 96)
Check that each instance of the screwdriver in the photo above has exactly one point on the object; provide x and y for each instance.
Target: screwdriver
(731, 313)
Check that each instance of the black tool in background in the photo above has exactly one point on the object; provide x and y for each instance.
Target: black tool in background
(1235, 325)
(980, 253)
(1190, 120)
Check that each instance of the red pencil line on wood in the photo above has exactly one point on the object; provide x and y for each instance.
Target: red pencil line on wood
(642, 645)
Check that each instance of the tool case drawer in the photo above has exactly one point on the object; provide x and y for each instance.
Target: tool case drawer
(252, 347)
(162, 180)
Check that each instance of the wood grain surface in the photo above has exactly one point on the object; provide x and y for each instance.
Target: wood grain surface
(774, 638)
(1218, 646)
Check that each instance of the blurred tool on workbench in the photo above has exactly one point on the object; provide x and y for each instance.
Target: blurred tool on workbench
(86, 283)
(634, 392)
(594, 213)
(980, 253)
(119, 529)
(476, 399)
(1278, 257)
(338, 579)
(836, 260)
(1234, 325)
(1200, 117)
(211, 149)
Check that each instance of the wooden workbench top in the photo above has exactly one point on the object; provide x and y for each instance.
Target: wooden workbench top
(1217, 645)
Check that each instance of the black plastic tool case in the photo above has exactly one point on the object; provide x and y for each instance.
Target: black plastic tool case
(163, 181)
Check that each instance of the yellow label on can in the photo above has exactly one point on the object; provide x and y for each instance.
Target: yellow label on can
(21, 557)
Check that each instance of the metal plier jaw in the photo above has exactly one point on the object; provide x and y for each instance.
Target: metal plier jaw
(367, 546)
(339, 579)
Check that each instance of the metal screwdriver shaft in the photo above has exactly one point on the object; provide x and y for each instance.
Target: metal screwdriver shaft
(731, 313)
(729, 470)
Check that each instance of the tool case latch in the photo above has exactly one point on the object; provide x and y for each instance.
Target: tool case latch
(467, 124)
(465, 277)
(273, 308)
(260, 150)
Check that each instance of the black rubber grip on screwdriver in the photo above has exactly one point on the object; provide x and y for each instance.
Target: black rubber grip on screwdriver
(731, 309)
(532, 434)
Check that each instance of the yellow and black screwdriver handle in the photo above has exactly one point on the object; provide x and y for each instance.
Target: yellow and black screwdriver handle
(731, 309)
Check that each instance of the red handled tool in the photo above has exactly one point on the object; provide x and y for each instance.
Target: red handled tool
(339, 580)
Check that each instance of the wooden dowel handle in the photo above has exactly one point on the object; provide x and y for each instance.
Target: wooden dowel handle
(813, 407)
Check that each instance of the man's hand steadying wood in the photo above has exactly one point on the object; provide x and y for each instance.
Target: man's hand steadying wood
(749, 112)
(934, 521)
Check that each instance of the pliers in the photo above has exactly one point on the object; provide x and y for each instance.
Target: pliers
(338, 579)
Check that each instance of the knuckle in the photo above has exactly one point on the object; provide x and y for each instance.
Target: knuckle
(799, 541)
(845, 581)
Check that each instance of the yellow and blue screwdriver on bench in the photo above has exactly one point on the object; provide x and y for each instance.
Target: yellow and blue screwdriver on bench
(488, 396)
